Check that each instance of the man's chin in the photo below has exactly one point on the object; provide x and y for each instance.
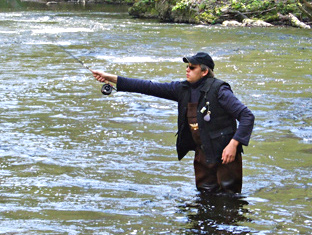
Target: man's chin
(188, 79)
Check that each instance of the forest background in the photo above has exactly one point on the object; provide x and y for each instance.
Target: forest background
(264, 13)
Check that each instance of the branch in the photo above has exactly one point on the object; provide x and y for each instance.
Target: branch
(259, 12)
(303, 9)
(294, 21)
(307, 4)
(227, 10)
(238, 13)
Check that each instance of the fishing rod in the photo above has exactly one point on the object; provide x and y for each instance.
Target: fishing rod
(106, 88)
(79, 61)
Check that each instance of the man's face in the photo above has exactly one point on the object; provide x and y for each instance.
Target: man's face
(194, 73)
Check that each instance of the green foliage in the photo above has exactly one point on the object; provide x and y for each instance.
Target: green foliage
(237, 5)
(202, 6)
(215, 11)
(143, 8)
(288, 7)
(181, 5)
(251, 5)
(147, 1)
(285, 6)
(265, 9)
(207, 17)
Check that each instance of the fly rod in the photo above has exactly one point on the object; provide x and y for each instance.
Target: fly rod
(106, 88)
(74, 57)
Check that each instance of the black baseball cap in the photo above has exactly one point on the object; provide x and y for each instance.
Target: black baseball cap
(200, 58)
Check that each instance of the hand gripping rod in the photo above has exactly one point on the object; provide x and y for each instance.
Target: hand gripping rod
(106, 88)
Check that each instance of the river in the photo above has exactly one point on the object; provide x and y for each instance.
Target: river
(73, 161)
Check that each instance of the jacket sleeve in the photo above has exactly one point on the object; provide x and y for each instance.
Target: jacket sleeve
(162, 90)
(239, 111)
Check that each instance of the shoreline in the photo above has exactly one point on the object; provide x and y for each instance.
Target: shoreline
(289, 20)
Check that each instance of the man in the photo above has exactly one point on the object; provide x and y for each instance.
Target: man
(207, 114)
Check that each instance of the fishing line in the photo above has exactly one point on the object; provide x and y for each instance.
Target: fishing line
(74, 57)
(106, 88)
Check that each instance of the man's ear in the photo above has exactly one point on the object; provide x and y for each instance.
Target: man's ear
(205, 72)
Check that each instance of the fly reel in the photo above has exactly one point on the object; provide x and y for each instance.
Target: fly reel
(106, 89)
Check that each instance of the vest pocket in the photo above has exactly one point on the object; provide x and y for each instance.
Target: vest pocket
(220, 139)
(221, 132)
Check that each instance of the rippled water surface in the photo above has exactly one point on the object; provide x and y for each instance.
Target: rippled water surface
(73, 161)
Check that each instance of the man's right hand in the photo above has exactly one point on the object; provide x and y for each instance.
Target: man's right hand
(104, 77)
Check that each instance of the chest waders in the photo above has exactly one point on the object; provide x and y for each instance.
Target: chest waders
(213, 177)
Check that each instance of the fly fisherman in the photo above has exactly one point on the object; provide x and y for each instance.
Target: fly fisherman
(207, 114)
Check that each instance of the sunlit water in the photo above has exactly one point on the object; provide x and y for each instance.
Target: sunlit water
(73, 161)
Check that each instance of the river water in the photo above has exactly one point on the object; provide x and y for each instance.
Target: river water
(73, 161)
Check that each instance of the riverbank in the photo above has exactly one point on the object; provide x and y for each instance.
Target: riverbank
(210, 12)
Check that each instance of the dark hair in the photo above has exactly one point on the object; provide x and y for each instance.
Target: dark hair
(210, 72)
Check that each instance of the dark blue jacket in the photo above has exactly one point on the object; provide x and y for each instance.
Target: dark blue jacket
(215, 134)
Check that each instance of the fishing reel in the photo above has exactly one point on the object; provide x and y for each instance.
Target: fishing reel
(106, 89)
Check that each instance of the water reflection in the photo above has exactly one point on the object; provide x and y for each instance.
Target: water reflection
(216, 214)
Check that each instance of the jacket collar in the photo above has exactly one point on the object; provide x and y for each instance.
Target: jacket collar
(205, 87)
(208, 83)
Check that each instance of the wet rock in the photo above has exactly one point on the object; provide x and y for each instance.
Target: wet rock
(232, 23)
(246, 23)
(256, 23)
(51, 3)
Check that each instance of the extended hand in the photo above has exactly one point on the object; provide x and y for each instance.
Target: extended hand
(104, 77)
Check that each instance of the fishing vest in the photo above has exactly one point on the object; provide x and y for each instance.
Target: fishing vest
(216, 133)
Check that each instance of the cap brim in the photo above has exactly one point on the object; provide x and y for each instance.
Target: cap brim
(190, 60)
(185, 60)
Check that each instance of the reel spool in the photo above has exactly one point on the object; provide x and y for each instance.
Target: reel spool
(106, 89)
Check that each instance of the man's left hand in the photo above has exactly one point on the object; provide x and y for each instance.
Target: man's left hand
(229, 152)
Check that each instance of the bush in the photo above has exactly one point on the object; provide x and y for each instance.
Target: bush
(214, 11)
